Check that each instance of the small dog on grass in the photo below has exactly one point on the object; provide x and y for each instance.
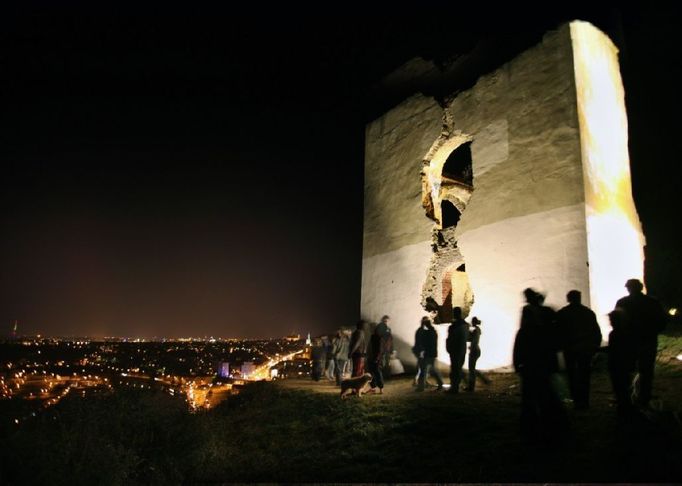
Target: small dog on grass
(355, 385)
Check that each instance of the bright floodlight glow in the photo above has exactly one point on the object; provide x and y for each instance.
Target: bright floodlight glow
(672, 311)
(614, 236)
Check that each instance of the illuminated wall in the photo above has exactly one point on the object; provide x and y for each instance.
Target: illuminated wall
(614, 234)
(551, 204)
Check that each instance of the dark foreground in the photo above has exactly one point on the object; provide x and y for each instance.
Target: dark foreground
(302, 431)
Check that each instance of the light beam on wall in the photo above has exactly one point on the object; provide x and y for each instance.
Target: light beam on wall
(614, 236)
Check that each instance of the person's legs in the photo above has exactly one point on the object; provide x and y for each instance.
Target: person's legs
(621, 380)
(583, 370)
(473, 357)
(421, 373)
(456, 363)
(339, 366)
(529, 407)
(329, 372)
(571, 375)
(436, 373)
(372, 369)
(379, 379)
(317, 370)
(646, 360)
(358, 365)
(455, 374)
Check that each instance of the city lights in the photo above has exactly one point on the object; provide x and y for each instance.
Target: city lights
(188, 369)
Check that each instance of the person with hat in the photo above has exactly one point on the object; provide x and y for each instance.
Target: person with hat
(645, 318)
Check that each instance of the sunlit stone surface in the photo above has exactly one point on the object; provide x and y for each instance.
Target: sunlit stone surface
(549, 207)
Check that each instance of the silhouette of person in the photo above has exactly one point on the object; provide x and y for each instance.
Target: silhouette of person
(357, 351)
(542, 415)
(579, 337)
(386, 344)
(340, 349)
(622, 353)
(329, 358)
(318, 355)
(376, 358)
(474, 354)
(456, 345)
(426, 348)
(418, 348)
(645, 317)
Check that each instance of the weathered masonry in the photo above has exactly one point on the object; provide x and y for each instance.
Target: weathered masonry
(521, 181)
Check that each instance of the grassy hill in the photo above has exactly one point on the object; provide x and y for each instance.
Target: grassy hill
(301, 431)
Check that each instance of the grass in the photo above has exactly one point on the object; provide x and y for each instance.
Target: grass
(307, 434)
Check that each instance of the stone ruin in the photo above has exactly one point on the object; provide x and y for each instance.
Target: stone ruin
(521, 181)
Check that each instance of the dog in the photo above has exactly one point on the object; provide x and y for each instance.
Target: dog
(355, 385)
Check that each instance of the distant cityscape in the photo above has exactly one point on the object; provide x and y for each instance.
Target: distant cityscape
(36, 372)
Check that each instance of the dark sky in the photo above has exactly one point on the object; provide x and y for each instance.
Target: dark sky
(174, 173)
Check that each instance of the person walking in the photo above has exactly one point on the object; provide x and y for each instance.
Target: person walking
(579, 338)
(426, 343)
(645, 317)
(358, 349)
(456, 345)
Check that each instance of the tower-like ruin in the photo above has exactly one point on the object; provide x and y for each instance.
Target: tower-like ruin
(521, 181)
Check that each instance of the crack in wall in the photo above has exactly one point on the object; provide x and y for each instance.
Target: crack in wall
(446, 283)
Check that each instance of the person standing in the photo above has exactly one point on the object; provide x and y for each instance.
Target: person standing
(317, 354)
(340, 352)
(456, 345)
(474, 354)
(535, 360)
(384, 331)
(645, 317)
(358, 349)
(579, 338)
(427, 339)
(375, 360)
(329, 358)
(622, 357)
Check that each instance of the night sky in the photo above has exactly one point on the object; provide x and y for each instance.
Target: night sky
(175, 173)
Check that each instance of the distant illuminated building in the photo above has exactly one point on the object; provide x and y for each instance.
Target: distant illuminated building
(274, 373)
(14, 329)
(308, 341)
(224, 370)
(248, 369)
(293, 337)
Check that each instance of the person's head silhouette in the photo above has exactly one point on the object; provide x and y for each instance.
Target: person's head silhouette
(574, 297)
(634, 286)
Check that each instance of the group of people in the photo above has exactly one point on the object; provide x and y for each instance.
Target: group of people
(460, 332)
(543, 335)
(367, 350)
(573, 330)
